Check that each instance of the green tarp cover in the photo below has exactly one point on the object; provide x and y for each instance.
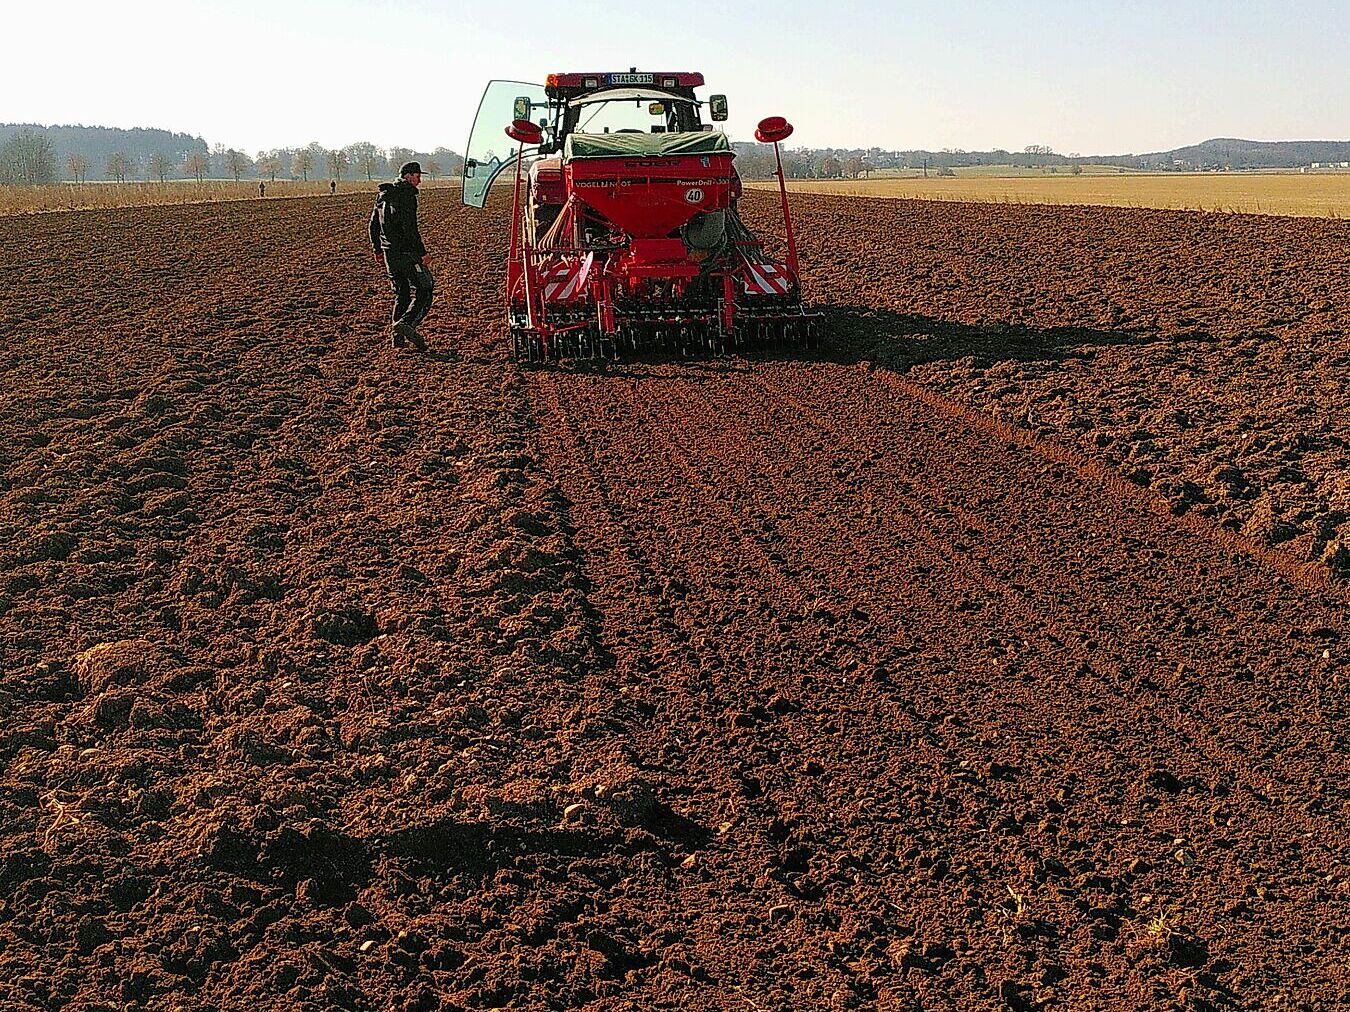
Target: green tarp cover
(612, 145)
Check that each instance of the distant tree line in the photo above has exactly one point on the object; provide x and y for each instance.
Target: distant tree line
(93, 147)
(1232, 153)
(34, 154)
(755, 161)
(359, 160)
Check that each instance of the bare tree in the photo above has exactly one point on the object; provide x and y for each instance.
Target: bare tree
(118, 167)
(160, 166)
(433, 168)
(399, 157)
(337, 162)
(853, 167)
(196, 166)
(303, 163)
(27, 159)
(449, 162)
(796, 166)
(236, 163)
(318, 156)
(77, 167)
(364, 157)
(1038, 153)
(269, 165)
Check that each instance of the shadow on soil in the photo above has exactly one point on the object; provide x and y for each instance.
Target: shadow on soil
(450, 846)
(900, 341)
(889, 339)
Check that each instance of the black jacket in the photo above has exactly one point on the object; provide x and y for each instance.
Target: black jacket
(393, 222)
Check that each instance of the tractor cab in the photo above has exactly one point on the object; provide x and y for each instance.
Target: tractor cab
(632, 103)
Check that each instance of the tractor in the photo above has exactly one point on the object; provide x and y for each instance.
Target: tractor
(625, 236)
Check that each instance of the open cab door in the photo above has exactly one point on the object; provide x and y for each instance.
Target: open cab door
(489, 150)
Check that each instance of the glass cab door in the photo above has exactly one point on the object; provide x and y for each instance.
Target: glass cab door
(489, 150)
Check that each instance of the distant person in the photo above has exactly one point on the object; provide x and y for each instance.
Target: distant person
(398, 245)
(332, 187)
(262, 189)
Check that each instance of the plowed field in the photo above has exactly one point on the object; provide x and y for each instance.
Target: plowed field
(992, 658)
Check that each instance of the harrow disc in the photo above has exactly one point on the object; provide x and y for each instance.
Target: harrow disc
(652, 334)
(798, 331)
(526, 346)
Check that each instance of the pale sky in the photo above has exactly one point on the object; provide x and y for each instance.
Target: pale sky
(1092, 77)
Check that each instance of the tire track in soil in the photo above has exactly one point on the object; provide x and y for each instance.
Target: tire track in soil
(676, 636)
(648, 413)
(1142, 691)
(729, 630)
(1302, 825)
(956, 534)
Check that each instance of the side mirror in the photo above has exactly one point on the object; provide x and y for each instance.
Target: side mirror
(717, 104)
(521, 110)
(469, 165)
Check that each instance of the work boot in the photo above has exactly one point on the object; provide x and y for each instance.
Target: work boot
(410, 332)
(396, 337)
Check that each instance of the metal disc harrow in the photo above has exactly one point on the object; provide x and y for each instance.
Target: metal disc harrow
(683, 337)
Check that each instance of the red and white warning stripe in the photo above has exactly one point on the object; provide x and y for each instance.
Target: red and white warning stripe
(566, 280)
(766, 279)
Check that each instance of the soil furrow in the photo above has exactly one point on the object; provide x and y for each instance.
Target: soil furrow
(680, 421)
(1118, 619)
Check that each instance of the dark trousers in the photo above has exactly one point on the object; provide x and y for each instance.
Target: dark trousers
(407, 274)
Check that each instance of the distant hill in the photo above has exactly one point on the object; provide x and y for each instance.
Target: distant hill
(1232, 153)
(96, 143)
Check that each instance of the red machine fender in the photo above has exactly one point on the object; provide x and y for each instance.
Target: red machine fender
(525, 132)
(773, 129)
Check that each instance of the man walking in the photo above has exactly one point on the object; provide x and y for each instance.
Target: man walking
(398, 245)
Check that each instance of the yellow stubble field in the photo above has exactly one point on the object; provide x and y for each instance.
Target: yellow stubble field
(88, 196)
(1322, 195)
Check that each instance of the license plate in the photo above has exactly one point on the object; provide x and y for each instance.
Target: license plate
(630, 78)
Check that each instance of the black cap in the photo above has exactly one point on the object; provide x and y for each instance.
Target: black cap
(409, 168)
